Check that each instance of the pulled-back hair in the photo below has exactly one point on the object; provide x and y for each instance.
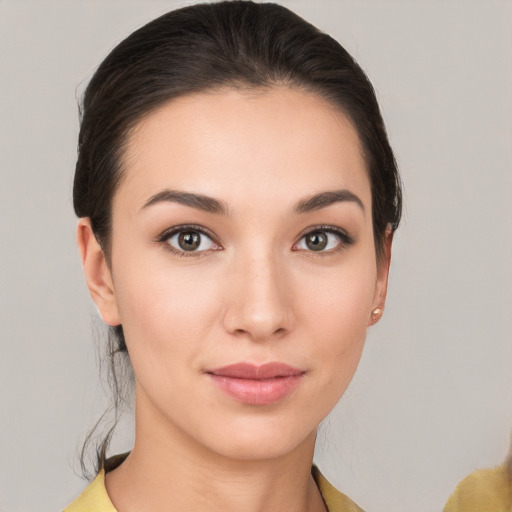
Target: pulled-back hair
(232, 44)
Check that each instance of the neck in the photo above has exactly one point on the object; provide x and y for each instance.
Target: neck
(168, 470)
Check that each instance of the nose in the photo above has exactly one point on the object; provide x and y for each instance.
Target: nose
(259, 305)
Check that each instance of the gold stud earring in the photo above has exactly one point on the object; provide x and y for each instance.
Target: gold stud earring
(376, 314)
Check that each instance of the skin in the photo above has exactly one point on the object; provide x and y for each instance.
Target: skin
(256, 293)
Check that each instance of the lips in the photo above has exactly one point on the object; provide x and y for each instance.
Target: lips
(257, 385)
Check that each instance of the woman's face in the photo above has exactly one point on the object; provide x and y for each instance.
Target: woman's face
(243, 268)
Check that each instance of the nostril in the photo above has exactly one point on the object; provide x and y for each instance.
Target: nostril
(259, 332)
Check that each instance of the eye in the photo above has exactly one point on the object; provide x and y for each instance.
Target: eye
(324, 240)
(189, 240)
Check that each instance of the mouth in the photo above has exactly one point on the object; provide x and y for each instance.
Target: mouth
(257, 384)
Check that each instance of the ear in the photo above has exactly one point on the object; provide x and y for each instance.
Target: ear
(97, 273)
(381, 285)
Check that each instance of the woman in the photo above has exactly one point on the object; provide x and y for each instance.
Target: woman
(237, 198)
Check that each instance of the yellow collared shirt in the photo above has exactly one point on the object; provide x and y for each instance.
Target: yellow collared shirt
(485, 490)
(95, 497)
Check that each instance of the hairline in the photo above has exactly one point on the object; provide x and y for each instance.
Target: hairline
(247, 87)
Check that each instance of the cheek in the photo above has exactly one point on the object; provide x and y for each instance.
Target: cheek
(341, 298)
(337, 310)
(165, 313)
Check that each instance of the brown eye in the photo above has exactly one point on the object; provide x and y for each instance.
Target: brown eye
(316, 241)
(189, 240)
(324, 240)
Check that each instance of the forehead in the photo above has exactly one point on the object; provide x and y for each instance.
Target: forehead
(276, 143)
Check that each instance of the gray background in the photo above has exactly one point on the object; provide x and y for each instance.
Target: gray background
(432, 399)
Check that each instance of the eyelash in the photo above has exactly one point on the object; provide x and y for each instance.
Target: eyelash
(345, 240)
(168, 234)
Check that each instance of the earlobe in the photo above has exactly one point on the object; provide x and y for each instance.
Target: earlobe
(97, 273)
(381, 286)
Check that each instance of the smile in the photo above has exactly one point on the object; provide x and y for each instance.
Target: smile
(257, 385)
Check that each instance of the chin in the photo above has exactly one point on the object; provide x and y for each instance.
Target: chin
(261, 440)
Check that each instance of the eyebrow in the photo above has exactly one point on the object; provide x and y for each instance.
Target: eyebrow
(324, 199)
(211, 205)
(199, 201)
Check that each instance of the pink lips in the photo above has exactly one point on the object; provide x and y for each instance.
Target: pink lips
(257, 385)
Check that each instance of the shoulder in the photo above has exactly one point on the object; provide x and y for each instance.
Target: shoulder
(334, 499)
(485, 490)
(94, 498)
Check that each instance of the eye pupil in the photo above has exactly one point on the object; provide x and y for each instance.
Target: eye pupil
(316, 241)
(189, 240)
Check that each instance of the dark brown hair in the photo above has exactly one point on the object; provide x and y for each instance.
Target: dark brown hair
(237, 44)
